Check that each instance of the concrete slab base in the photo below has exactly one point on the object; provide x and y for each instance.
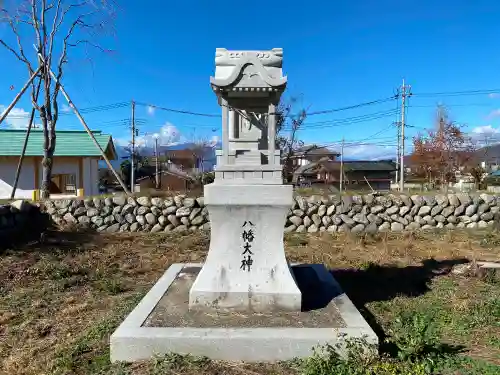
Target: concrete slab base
(162, 322)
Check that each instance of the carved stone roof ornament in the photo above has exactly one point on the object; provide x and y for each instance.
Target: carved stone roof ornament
(248, 85)
(248, 71)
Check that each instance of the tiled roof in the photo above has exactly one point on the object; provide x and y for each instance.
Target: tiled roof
(171, 173)
(349, 166)
(68, 143)
(315, 150)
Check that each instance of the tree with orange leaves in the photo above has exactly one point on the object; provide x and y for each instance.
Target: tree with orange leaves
(441, 152)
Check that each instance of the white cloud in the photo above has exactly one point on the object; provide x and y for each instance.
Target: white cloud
(17, 118)
(493, 114)
(485, 135)
(168, 135)
(485, 129)
(66, 108)
(151, 110)
(121, 141)
(214, 140)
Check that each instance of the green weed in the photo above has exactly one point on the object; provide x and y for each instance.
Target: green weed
(414, 334)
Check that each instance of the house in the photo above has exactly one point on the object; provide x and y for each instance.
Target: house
(488, 157)
(357, 175)
(310, 154)
(75, 163)
(171, 180)
(184, 158)
(189, 157)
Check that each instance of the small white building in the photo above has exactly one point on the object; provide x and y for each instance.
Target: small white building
(75, 163)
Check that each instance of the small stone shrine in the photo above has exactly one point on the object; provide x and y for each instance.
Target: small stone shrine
(246, 267)
(245, 303)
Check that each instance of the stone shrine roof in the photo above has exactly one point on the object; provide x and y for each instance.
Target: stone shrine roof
(248, 71)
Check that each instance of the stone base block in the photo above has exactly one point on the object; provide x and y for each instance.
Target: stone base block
(162, 323)
(241, 174)
(246, 266)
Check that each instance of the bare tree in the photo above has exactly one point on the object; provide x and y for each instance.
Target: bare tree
(53, 28)
(287, 126)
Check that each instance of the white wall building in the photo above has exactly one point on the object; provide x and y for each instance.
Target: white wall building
(74, 170)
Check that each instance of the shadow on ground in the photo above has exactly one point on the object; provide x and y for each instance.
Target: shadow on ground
(20, 229)
(48, 240)
(383, 283)
(373, 284)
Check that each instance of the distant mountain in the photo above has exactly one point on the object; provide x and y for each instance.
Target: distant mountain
(490, 154)
(123, 154)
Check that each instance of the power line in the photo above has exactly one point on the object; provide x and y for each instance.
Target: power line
(186, 112)
(177, 110)
(83, 110)
(352, 106)
(452, 105)
(357, 142)
(458, 93)
(316, 125)
(347, 120)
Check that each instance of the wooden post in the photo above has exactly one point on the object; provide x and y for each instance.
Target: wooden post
(80, 192)
(21, 158)
(18, 96)
(368, 184)
(36, 169)
(77, 113)
(25, 145)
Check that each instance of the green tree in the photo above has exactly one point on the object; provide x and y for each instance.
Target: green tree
(126, 171)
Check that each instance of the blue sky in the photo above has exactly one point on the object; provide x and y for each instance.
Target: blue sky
(336, 54)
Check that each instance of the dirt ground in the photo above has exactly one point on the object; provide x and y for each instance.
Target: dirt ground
(60, 301)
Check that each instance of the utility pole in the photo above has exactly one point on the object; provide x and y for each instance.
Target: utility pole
(341, 165)
(405, 91)
(157, 179)
(398, 155)
(132, 162)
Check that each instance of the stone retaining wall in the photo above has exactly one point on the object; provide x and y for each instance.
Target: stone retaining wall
(367, 213)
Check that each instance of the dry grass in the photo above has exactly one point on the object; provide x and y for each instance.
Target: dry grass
(59, 302)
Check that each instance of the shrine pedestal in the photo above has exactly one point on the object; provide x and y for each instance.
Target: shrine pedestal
(246, 268)
(245, 303)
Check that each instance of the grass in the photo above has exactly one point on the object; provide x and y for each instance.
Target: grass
(60, 302)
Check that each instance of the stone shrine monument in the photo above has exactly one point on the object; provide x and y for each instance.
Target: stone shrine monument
(246, 267)
(245, 303)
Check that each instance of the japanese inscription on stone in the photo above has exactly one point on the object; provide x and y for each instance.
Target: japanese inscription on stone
(248, 237)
